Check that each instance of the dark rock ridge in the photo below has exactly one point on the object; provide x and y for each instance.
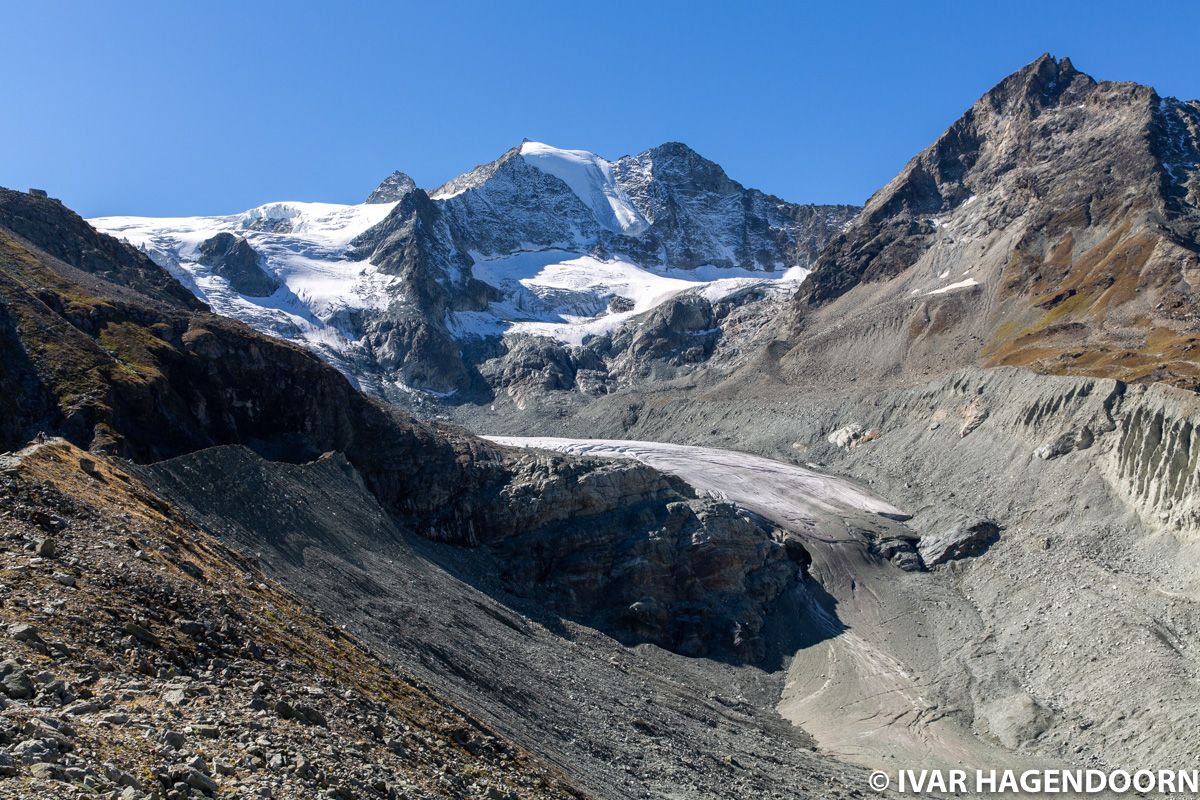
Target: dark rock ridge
(409, 339)
(236, 261)
(1052, 215)
(63, 234)
(614, 545)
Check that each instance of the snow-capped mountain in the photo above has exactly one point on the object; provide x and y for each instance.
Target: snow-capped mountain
(667, 206)
(414, 291)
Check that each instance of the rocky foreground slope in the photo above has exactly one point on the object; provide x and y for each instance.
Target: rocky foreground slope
(144, 658)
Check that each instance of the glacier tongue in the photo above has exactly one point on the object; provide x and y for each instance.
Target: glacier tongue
(591, 179)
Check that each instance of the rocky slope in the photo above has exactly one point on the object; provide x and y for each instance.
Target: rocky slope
(625, 722)
(145, 659)
(414, 290)
(1054, 226)
(1053, 229)
(1090, 583)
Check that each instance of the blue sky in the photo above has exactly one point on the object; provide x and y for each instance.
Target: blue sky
(186, 108)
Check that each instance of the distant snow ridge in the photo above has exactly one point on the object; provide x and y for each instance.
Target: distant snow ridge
(542, 241)
(303, 246)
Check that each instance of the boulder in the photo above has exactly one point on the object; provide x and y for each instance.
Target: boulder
(14, 681)
(967, 539)
(846, 437)
(900, 551)
(24, 632)
(1016, 719)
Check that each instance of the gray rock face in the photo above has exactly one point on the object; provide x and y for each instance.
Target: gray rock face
(695, 210)
(409, 340)
(689, 213)
(692, 575)
(533, 362)
(680, 331)
(393, 188)
(699, 584)
(236, 261)
(965, 540)
(901, 551)
(614, 544)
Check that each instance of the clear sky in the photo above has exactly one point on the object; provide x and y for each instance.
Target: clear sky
(208, 107)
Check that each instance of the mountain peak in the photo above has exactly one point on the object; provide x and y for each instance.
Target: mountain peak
(394, 187)
(1037, 85)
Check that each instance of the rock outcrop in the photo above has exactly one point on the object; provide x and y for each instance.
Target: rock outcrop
(967, 539)
(236, 261)
(64, 235)
(393, 188)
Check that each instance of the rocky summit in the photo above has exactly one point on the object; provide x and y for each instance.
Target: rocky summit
(587, 478)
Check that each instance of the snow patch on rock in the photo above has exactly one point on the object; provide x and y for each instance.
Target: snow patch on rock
(591, 179)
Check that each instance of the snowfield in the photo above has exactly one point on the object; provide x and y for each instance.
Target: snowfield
(302, 245)
(556, 293)
(954, 287)
(567, 297)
